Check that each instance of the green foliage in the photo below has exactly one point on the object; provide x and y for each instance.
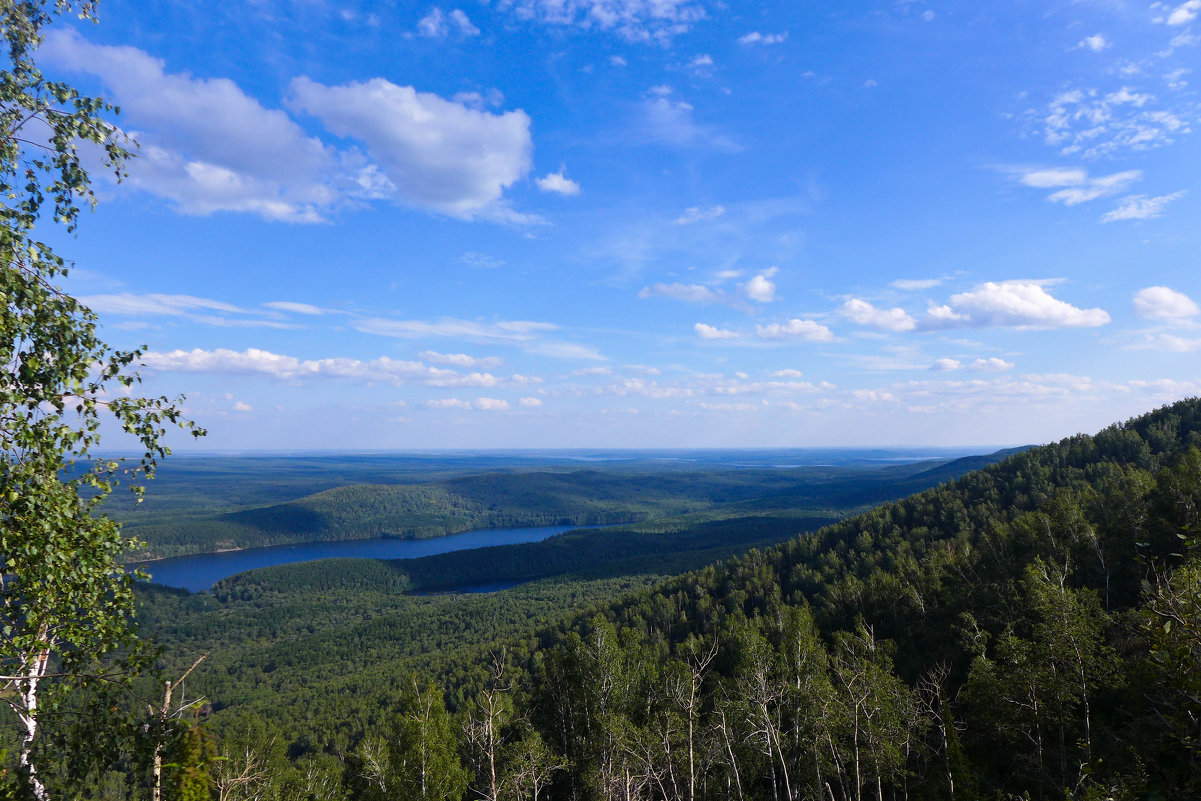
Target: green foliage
(65, 600)
(189, 763)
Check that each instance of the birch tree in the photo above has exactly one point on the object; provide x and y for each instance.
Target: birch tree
(65, 600)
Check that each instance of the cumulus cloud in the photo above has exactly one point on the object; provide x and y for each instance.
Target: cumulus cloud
(864, 313)
(207, 146)
(437, 25)
(530, 403)
(806, 330)
(461, 359)
(437, 154)
(705, 331)
(1013, 304)
(1162, 303)
(694, 214)
(786, 373)
(1184, 13)
(946, 364)
(1096, 43)
(757, 38)
(1141, 207)
(491, 404)
(558, 183)
(632, 20)
(761, 288)
(689, 293)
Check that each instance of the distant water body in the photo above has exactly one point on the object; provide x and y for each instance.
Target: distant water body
(200, 572)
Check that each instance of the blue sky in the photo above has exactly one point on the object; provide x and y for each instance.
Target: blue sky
(648, 223)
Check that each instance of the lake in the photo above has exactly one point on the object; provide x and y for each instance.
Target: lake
(199, 572)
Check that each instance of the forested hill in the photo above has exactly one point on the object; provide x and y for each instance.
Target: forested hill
(1033, 627)
(527, 497)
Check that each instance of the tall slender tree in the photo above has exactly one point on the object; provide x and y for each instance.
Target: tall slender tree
(65, 600)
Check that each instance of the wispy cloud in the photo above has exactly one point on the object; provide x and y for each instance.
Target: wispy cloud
(439, 25)
(757, 38)
(451, 328)
(1141, 207)
(656, 21)
(1090, 123)
(1074, 185)
(694, 214)
(255, 361)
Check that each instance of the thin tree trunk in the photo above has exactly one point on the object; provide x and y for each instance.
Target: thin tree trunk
(29, 722)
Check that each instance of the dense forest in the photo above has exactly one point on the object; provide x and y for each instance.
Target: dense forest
(1032, 629)
(393, 503)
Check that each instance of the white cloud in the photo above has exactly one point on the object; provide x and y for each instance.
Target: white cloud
(1141, 207)
(787, 373)
(1013, 304)
(1075, 186)
(1175, 79)
(711, 332)
(1184, 13)
(667, 121)
(632, 20)
(1162, 303)
(448, 403)
(207, 146)
(1090, 123)
(1054, 177)
(566, 350)
(449, 327)
(689, 293)
(436, 154)
(491, 404)
(239, 406)
(761, 288)
(698, 214)
(757, 38)
(617, 61)
(153, 304)
(990, 365)
(915, 284)
(806, 330)
(1096, 43)
(530, 403)
(437, 25)
(700, 65)
(559, 183)
(864, 313)
(461, 359)
(1172, 343)
(946, 364)
(295, 308)
(481, 260)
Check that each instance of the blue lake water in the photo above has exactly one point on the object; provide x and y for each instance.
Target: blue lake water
(201, 571)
